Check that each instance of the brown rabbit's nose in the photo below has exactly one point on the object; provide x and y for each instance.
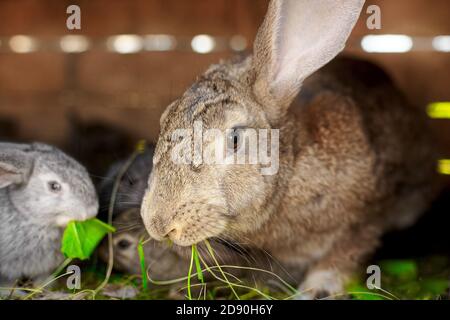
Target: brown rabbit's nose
(161, 230)
(173, 233)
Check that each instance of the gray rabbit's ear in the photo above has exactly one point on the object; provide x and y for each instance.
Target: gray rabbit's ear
(297, 38)
(15, 166)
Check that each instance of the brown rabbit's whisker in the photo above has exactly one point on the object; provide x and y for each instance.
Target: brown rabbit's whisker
(127, 229)
(100, 177)
(124, 230)
(128, 224)
(236, 248)
(270, 258)
(133, 203)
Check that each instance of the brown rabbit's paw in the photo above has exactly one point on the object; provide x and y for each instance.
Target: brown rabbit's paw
(322, 285)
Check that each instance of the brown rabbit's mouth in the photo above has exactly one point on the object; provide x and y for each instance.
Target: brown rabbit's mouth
(188, 225)
(194, 231)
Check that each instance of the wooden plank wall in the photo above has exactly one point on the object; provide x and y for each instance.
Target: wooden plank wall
(130, 91)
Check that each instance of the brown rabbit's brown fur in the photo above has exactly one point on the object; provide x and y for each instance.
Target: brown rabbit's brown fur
(354, 158)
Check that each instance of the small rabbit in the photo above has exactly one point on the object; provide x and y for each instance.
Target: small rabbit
(163, 262)
(41, 190)
(354, 158)
(132, 186)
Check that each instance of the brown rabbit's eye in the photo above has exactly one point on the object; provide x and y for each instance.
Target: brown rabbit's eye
(235, 142)
(235, 139)
(54, 186)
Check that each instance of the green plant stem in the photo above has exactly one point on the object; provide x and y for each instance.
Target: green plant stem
(112, 202)
(198, 267)
(211, 252)
(189, 294)
(143, 267)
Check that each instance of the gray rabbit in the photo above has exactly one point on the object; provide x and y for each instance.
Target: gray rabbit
(41, 190)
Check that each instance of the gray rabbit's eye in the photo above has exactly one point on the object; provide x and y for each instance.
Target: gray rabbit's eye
(54, 186)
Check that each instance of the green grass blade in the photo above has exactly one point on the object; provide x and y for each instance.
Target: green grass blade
(189, 293)
(211, 253)
(197, 264)
(143, 267)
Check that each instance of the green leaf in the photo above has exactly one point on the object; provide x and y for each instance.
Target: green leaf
(81, 238)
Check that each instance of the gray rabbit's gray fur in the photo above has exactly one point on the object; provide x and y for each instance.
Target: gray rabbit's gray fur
(41, 190)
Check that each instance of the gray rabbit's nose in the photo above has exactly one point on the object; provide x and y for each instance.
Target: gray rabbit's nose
(90, 212)
(92, 209)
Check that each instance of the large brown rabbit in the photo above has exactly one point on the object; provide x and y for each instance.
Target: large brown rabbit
(354, 158)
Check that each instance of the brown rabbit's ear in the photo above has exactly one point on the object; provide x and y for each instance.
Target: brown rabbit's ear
(297, 38)
(164, 116)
